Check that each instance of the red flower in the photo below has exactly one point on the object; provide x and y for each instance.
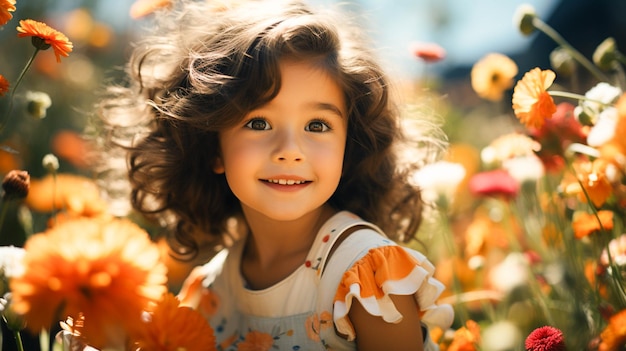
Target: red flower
(545, 338)
(429, 52)
(498, 182)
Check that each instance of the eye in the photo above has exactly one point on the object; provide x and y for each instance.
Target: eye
(258, 124)
(317, 126)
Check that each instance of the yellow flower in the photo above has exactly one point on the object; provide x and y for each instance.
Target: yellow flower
(107, 271)
(532, 104)
(172, 327)
(6, 7)
(4, 85)
(51, 37)
(492, 75)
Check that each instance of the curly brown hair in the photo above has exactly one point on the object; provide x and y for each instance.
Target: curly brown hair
(205, 70)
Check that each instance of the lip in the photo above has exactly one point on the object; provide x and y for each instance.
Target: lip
(286, 183)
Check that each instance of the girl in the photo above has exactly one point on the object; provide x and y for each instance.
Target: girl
(269, 130)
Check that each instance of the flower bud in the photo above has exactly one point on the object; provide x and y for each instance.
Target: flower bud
(50, 163)
(16, 184)
(605, 54)
(37, 103)
(562, 62)
(523, 19)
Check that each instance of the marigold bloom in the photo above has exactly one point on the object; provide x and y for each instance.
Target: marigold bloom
(108, 271)
(532, 104)
(545, 338)
(613, 337)
(59, 42)
(141, 8)
(172, 327)
(492, 75)
(587, 223)
(4, 85)
(6, 7)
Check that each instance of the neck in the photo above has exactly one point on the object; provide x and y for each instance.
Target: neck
(272, 241)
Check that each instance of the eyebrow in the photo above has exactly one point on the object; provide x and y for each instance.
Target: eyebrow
(327, 107)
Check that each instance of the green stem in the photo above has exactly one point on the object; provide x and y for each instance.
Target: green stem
(575, 96)
(554, 35)
(17, 83)
(18, 340)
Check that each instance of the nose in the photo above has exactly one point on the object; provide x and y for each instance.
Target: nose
(288, 147)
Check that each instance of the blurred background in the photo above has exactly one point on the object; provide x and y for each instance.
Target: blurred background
(103, 31)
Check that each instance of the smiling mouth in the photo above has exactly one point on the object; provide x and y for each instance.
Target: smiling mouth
(286, 181)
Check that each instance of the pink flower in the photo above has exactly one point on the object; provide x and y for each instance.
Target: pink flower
(545, 338)
(497, 182)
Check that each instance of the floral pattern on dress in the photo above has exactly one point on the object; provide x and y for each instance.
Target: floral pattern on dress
(315, 323)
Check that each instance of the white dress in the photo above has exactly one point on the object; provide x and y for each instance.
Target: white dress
(308, 309)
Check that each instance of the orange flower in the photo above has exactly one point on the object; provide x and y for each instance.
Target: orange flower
(141, 8)
(107, 271)
(51, 37)
(77, 195)
(594, 180)
(587, 223)
(6, 7)
(532, 104)
(173, 327)
(492, 75)
(256, 341)
(4, 85)
(466, 338)
(613, 337)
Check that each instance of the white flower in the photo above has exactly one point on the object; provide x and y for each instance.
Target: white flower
(439, 180)
(50, 163)
(617, 248)
(604, 129)
(501, 336)
(526, 168)
(37, 103)
(600, 95)
(510, 273)
(11, 261)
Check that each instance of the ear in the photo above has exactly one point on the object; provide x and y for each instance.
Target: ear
(218, 165)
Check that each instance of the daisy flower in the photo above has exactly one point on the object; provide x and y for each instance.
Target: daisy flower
(50, 37)
(532, 104)
(105, 271)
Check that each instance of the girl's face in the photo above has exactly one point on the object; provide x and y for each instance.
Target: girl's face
(285, 159)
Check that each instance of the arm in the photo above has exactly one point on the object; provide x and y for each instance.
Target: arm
(373, 333)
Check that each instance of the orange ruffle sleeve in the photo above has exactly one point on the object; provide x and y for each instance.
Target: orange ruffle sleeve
(390, 270)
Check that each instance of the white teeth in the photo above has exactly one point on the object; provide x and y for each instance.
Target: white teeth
(285, 181)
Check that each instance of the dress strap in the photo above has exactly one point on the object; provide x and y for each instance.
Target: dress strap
(328, 235)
